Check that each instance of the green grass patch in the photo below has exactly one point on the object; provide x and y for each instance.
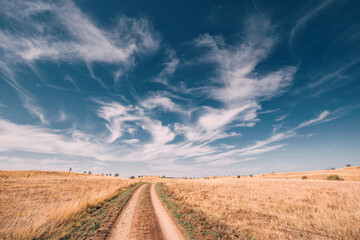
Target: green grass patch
(334, 178)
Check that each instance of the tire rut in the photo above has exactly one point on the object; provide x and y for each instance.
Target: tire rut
(145, 217)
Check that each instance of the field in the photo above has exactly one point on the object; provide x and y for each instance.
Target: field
(348, 174)
(34, 202)
(277, 208)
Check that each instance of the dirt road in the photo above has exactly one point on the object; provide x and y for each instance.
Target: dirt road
(145, 217)
(168, 227)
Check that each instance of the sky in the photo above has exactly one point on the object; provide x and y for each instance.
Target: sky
(179, 88)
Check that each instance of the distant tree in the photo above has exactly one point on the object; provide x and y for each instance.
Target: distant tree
(348, 165)
(84, 171)
(110, 174)
(70, 169)
(116, 174)
(89, 172)
(107, 174)
(163, 176)
(132, 177)
(251, 175)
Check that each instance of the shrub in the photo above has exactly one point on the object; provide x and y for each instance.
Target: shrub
(238, 176)
(251, 175)
(116, 174)
(132, 177)
(334, 177)
(304, 177)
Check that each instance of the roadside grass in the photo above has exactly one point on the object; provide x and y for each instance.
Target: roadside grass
(195, 223)
(268, 208)
(33, 203)
(95, 223)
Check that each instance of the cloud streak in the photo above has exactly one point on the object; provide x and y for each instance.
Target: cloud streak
(301, 23)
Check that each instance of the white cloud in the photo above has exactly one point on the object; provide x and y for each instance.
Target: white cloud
(170, 67)
(72, 81)
(250, 124)
(241, 87)
(164, 102)
(158, 151)
(238, 88)
(218, 118)
(282, 117)
(85, 41)
(31, 40)
(320, 118)
(28, 138)
(62, 116)
(236, 66)
(33, 108)
(241, 92)
(82, 39)
(116, 116)
(131, 141)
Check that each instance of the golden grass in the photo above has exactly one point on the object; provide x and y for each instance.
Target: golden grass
(348, 174)
(277, 208)
(33, 202)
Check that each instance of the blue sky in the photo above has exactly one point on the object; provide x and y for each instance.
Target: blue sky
(179, 88)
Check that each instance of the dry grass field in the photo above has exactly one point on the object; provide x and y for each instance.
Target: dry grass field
(35, 202)
(348, 174)
(277, 208)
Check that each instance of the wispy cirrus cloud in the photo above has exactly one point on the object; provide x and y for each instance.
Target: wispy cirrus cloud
(240, 84)
(176, 124)
(29, 138)
(322, 117)
(301, 23)
(238, 87)
(67, 35)
(236, 65)
(81, 40)
(157, 151)
(282, 117)
(170, 66)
